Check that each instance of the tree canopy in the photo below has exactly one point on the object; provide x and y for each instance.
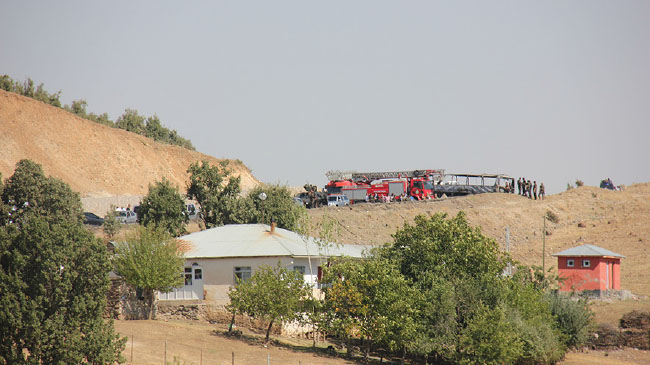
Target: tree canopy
(278, 206)
(217, 190)
(164, 207)
(53, 276)
(272, 293)
(150, 259)
(439, 291)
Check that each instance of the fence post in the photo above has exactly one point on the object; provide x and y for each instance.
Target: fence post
(165, 351)
(201, 358)
(132, 336)
(233, 358)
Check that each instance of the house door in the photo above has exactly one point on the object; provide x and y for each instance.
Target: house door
(197, 284)
(193, 285)
(609, 275)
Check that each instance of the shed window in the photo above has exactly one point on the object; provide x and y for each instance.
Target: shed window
(586, 263)
(242, 273)
(198, 274)
(570, 263)
(300, 269)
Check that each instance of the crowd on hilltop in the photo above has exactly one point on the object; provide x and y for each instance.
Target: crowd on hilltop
(531, 190)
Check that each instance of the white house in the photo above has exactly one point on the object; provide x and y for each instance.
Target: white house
(217, 257)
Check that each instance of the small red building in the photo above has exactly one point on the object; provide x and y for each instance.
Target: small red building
(590, 268)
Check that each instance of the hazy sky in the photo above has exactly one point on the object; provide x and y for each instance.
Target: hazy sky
(551, 90)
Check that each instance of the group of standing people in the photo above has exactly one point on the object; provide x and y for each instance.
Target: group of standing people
(526, 188)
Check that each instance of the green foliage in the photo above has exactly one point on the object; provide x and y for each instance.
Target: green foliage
(217, 192)
(371, 299)
(489, 338)
(278, 206)
(130, 120)
(574, 318)
(150, 259)
(53, 276)
(164, 207)
(29, 193)
(112, 225)
(272, 293)
(448, 248)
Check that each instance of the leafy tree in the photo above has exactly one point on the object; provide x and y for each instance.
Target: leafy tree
(272, 294)
(460, 273)
(155, 130)
(278, 206)
(131, 121)
(112, 225)
(53, 276)
(372, 299)
(164, 207)
(217, 190)
(150, 259)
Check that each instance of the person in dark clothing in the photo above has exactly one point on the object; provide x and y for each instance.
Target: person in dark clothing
(519, 186)
(541, 190)
(535, 189)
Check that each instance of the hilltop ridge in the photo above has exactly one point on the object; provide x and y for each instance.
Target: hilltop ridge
(93, 159)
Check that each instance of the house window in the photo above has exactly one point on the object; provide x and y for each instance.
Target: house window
(570, 263)
(188, 276)
(300, 269)
(242, 273)
(586, 263)
(198, 274)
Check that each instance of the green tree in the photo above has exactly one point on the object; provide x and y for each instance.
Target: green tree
(150, 259)
(278, 206)
(217, 190)
(53, 276)
(131, 121)
(371, 299)
(164, 207)
(460, 273)
(274, 294)
(112, 225)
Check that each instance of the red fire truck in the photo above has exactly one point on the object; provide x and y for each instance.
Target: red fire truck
(419, 184)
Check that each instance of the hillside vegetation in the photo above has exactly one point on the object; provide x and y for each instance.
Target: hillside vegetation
(616, 220)
(94, 159)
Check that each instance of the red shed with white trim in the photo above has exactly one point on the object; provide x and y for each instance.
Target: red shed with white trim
(589, 267)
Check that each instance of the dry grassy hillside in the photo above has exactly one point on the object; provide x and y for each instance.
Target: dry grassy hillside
(94, 159)
(616, 220)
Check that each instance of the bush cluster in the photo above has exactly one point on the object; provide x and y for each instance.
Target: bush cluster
(150, 127)
(439, 292)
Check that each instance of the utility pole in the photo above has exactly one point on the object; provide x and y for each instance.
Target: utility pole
(508, 250)
(544, 249)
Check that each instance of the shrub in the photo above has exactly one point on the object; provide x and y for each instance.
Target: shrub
(579, 183)
(573, 317)
(551, 216)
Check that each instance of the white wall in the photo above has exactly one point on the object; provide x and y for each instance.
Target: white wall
(219, 276)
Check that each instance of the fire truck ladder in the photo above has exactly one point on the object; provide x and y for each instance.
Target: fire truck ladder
(352, 175)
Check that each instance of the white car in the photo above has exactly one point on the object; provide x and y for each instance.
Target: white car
(126, 217)
(337, 201)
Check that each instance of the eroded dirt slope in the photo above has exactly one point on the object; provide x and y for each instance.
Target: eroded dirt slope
(94, 159)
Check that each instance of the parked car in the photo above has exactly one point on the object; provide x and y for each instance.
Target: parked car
(337, 201)
(93, 219)
(126, 217)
